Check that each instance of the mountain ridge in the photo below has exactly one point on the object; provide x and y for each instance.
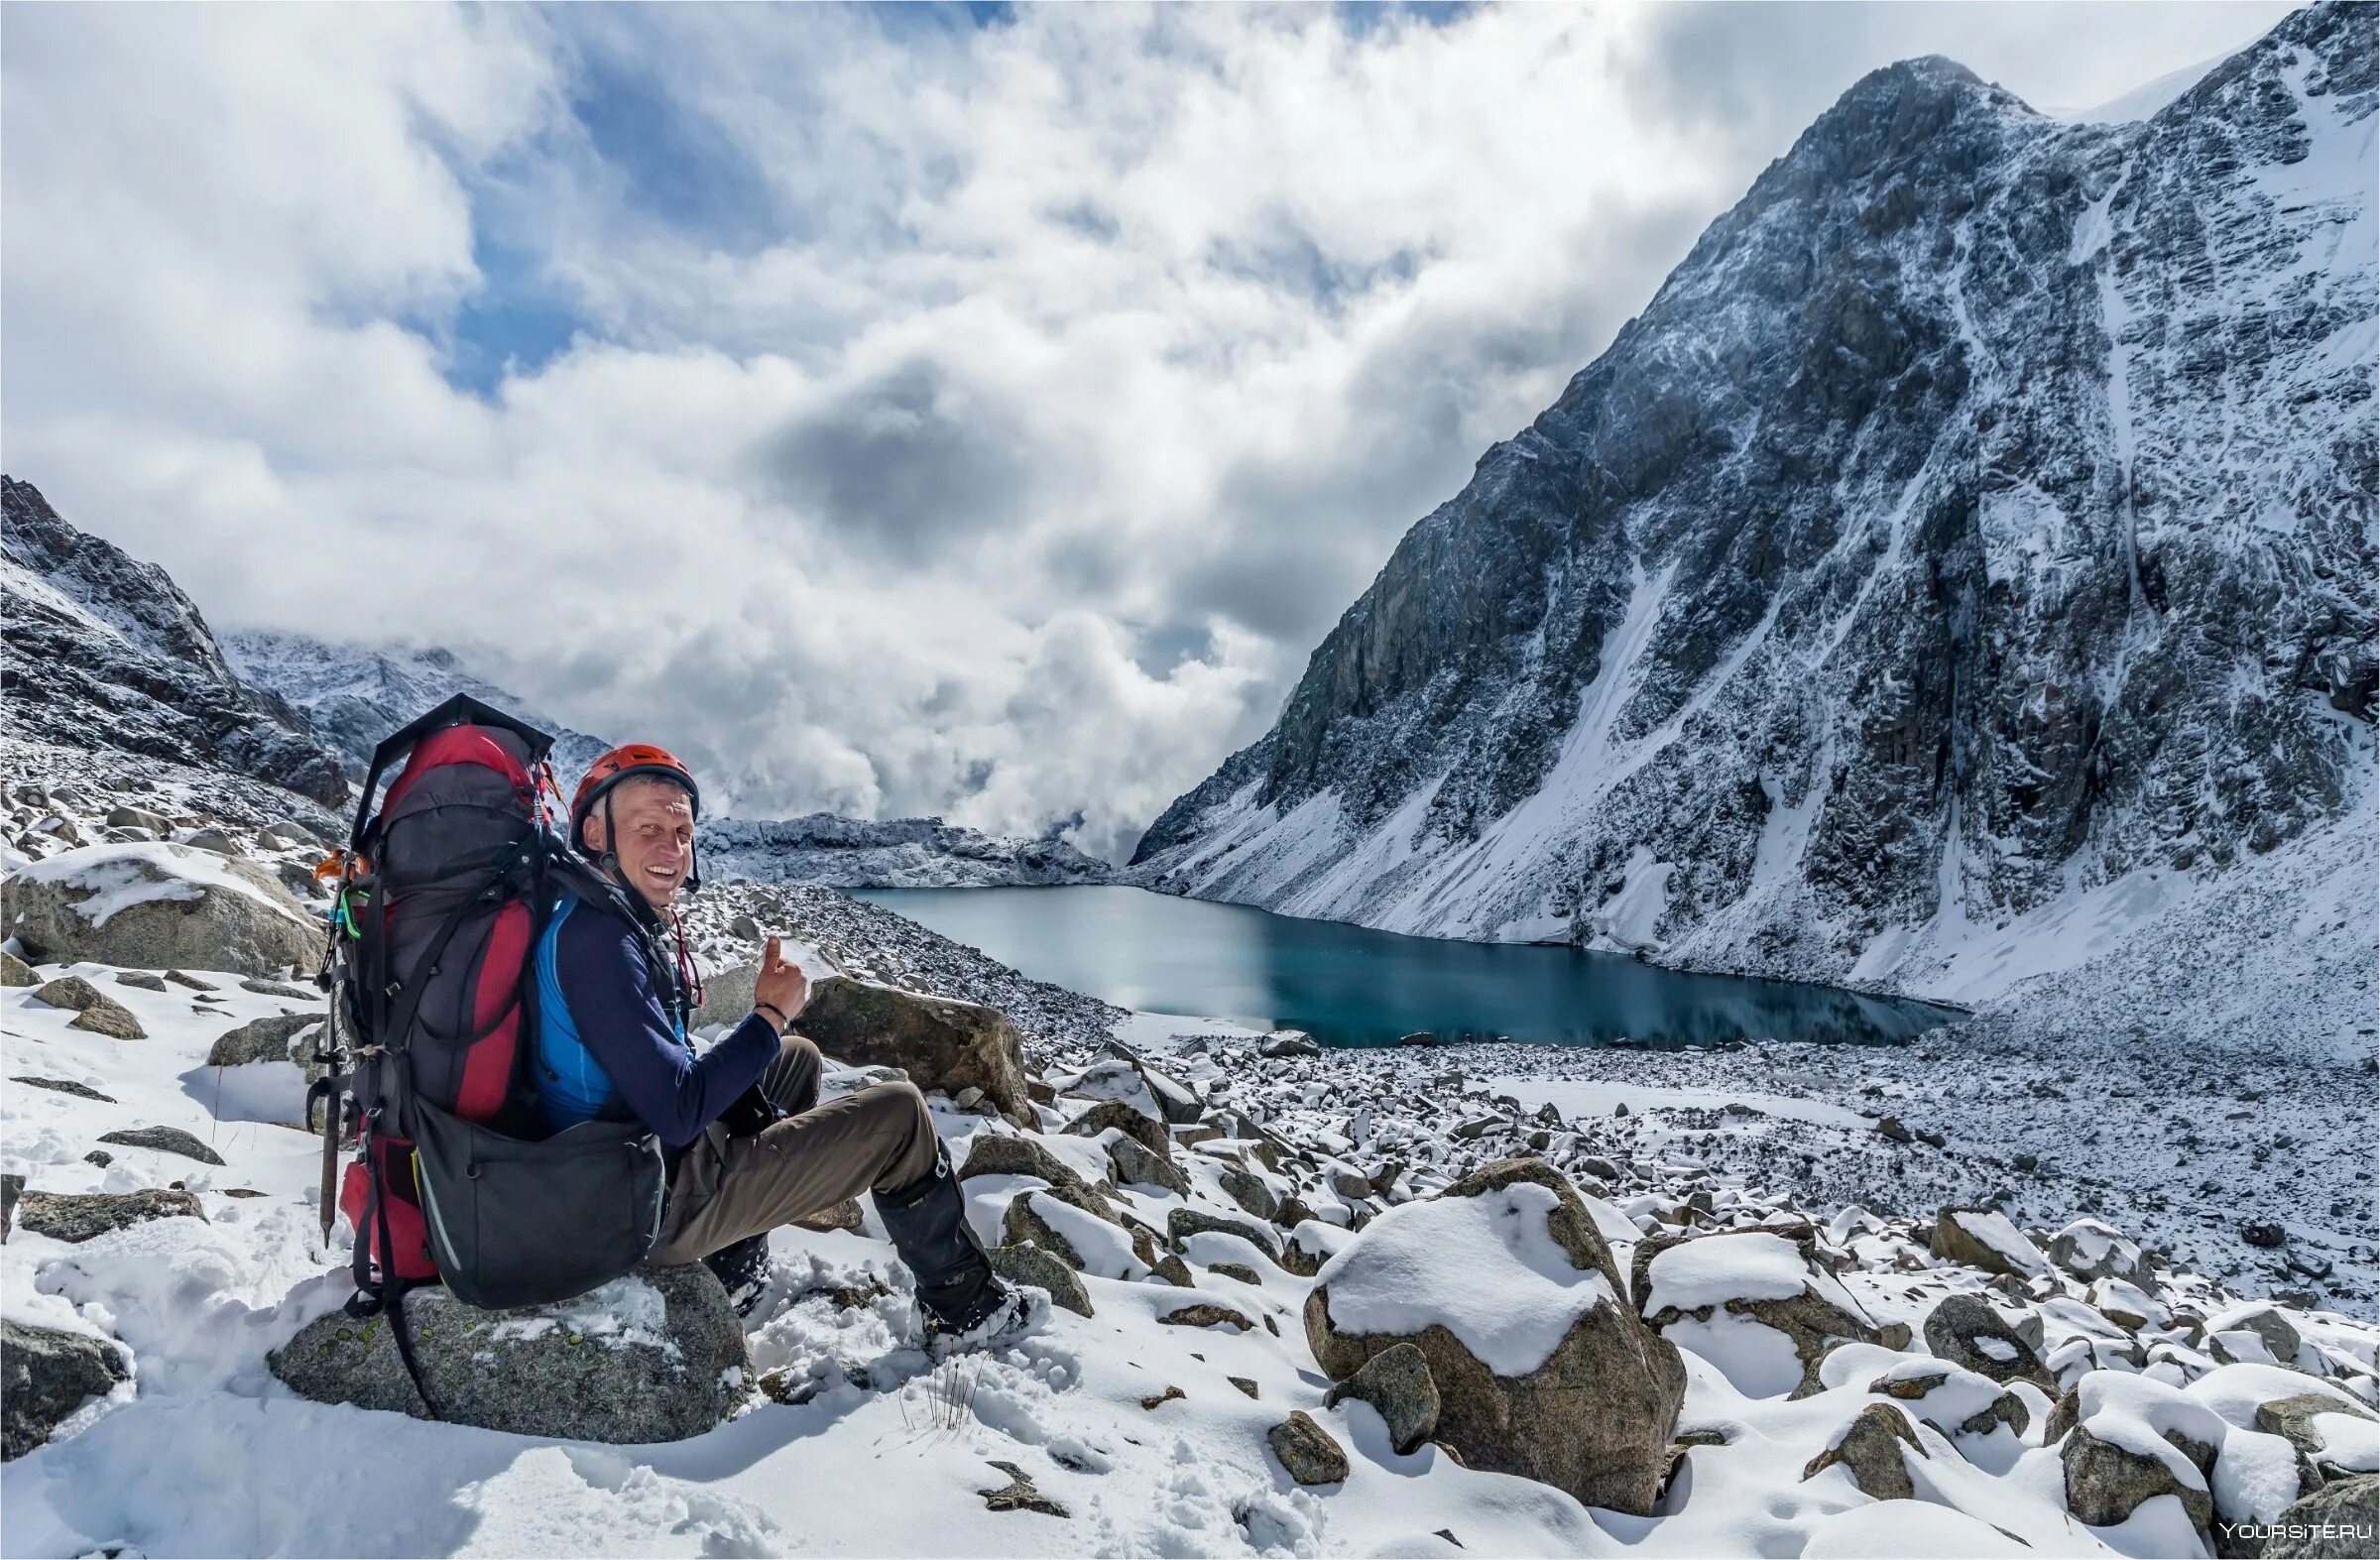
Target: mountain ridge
(1952, 532)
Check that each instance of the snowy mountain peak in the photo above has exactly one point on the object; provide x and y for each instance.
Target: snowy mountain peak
(1982, 516)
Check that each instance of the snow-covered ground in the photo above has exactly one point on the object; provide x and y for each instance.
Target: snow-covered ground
(203, 1452)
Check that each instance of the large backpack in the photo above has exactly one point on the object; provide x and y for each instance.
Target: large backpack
(442, 893)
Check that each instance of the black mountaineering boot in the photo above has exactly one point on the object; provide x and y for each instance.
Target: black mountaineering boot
(744, 1268)
(966, 1304)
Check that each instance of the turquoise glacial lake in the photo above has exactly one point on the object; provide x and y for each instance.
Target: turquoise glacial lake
(1351, 986)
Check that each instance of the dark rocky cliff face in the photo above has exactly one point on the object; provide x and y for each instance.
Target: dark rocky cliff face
(1985, 509)
(100, 651)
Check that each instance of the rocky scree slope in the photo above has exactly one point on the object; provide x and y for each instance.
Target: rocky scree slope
(100, 651)
(1982, 514)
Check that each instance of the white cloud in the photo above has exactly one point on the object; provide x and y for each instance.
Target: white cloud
(944, 393)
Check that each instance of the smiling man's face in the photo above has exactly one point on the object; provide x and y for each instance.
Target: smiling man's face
(654, 820)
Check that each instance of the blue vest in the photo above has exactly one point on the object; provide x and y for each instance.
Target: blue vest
(573, 1085)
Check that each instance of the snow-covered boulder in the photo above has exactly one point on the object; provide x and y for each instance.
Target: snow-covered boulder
(1873, 1451)
(1511, 1295)
(2130, 1439)
(1755, 1303)
(1984, 1237)
(657, 1356)
(1958, 1403)
(157, 906)
(2090, 1250)
(1968, 1332)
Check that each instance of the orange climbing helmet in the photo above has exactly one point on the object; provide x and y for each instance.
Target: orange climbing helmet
(625, 762)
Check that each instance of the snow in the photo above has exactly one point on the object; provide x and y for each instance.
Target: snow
(119, 877)
(2255, 1474)
(1484, 1267)
(1722, 1268)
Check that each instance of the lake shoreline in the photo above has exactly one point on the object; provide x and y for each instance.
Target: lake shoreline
(1354, 987)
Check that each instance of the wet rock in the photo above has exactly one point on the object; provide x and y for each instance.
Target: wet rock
(1873, 1449)
(165, 1140)
(1396, 1383)
(46, 1375)
(1030, 1264)
(1307, 1451)
(647, 1358)
(1594, 1417)
(205, 911)
(75, 1217)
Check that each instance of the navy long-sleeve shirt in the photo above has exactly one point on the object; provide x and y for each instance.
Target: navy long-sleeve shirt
(608, 1047)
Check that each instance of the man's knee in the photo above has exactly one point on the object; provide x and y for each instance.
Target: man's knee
(901, 1106)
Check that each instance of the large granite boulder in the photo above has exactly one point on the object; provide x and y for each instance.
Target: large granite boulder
(2339, 1521)
(158, 906)
(657, 1356)
(1542, 1367)
(46, 1374)
(2130, 1438)
(266, 1039)
(941, 1043)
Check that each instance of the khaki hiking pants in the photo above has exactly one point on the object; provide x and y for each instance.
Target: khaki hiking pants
(881, 1139)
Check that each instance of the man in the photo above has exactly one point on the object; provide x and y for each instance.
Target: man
(613, 1007)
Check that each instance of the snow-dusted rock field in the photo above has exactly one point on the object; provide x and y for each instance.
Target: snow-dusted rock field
(1232, 1221)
